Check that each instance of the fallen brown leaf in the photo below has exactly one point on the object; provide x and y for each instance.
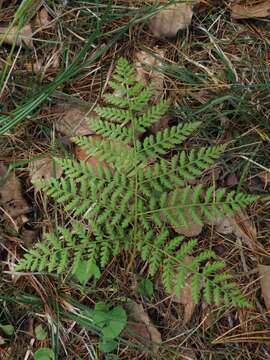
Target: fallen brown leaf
(28, 237)
(224, 225)
(73, 122)
(12, 201)
(140, 328)
(172, 19)
(42, 18)
(265, 177)
(144, 61)
(232, 180)
(255, 9)
(18, 36)
(81, 154)
(240, 225)
(264, 272)
(44, 169)
(185, 297)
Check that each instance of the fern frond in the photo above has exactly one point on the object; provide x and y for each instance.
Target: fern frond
(128, 204)
(190, 203)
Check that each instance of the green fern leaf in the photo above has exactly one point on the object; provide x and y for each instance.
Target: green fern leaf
(131, 203)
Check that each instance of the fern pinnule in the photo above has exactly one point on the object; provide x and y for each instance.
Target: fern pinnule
(180, 279)
(166, 140)
(196, 283)
(119, 154)
(168, 274)
(112, 131)
(120, 116)
(153, 114)
(140, 100)
(124, 72)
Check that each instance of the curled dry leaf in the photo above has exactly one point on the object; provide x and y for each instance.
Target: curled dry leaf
(44, 169)
(73, 122)
(264, 272)
(240, 225)
(251, 9)
(42, 18)
(145, 64)
(172, 19)
(224, 225)
(18, 36)
(140, 328)
(185, 297)
(11, 199)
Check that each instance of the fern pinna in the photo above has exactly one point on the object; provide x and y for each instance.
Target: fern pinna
(131, 203)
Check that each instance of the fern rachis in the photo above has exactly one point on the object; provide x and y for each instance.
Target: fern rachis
(129, 204)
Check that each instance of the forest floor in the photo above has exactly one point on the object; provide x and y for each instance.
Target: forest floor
(216, 70)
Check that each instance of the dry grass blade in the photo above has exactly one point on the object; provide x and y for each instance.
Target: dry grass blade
(259, 336)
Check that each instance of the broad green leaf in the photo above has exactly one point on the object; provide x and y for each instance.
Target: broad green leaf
(44, 354)
(7, 329)
(87, 270)
(107, 346)
(100, 314)
(115, 325)
(111, 357)
(146, 288)
(101, 306)
(40, 332)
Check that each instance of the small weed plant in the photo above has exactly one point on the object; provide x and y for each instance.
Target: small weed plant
(133, 203)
